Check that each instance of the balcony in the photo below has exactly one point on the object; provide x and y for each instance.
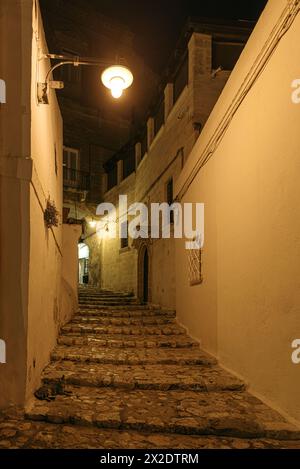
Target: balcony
(75, 179)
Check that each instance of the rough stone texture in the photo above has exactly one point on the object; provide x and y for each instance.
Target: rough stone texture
(128, 341)
(39, 435)
(82, 328)
(132, 355)
(236, 414)
(201, 378)
(135, 386)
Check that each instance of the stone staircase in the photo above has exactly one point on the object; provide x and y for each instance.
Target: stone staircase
(134, 374)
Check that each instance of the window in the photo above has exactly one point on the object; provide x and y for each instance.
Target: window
(225, 55)
(129, 162)
(124, 235)
(170, 198)
(70, 163)
(195, 266)
(112, 177)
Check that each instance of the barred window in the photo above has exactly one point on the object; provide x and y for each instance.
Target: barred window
(195, 266)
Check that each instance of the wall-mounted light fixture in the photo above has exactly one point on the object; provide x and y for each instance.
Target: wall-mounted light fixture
(93, 223)
(117, 77)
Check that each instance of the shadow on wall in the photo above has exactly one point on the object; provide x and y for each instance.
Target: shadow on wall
(69, 296)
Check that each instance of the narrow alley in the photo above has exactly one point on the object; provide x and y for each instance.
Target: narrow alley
(149, 238)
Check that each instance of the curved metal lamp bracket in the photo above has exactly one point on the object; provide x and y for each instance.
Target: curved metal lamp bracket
(43, 88)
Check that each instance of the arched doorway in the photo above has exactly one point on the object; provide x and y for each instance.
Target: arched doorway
(146, 277)
(83, 256)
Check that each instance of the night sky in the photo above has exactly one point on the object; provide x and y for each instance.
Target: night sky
(157, 24)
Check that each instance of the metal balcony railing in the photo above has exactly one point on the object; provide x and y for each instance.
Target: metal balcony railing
(74, 179)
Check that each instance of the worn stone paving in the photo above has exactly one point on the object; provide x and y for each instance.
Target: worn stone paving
(227, 413)
(83, 328)
(144, 377)
(134, 379)
(20, 434)
(127, 340)
(92, 353)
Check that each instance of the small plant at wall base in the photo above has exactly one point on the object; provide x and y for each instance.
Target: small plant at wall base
(51, 214)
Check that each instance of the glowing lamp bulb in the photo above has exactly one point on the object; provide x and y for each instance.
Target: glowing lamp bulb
(93, 223)
(117, 78)
(117, 86)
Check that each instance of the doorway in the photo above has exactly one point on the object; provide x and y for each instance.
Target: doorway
(83, 256)
(146, 277)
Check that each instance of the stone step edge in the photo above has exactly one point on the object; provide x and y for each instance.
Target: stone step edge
(151, 321)
(180, 429)
(130, 344)
(82, 358)
(85, 329)
(133, 384)
(142, 312)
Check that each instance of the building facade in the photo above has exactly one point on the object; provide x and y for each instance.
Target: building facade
(146, 169)
(38, 283)
(244, 168)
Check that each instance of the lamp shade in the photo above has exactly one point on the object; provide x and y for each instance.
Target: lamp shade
(117, 78)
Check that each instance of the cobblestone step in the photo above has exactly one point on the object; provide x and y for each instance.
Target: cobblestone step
(97, 292)
(117, 307)
(137, 380)
(141, 313)
(200, 378)
(83, 328)
(236, 414)
(128, 341)
(103, 294)
(107, 302)
(96, 354)
(19, 434)
(100, 298)
(107, 321)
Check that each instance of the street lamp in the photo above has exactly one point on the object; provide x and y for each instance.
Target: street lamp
(117, 77)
